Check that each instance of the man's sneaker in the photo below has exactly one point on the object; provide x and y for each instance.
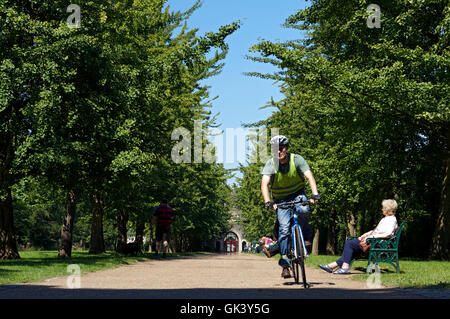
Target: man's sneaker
(286, 273)
(284, 262)
(266, 251)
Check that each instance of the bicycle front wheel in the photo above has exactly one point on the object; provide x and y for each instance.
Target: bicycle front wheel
(294, 263)
(300, 249)
(295, 270)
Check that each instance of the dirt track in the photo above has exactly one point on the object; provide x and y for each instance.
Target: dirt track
(204, 277)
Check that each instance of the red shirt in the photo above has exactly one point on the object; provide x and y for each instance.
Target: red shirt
(165, 215)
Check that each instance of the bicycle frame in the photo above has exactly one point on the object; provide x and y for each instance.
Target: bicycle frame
(294, 220)
(295, 258)
(294, 217)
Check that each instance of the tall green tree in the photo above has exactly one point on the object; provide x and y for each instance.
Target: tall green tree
(90, 110)
(370, 107)
(21, 22)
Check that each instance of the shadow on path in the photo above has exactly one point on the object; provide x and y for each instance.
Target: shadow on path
(29, 291)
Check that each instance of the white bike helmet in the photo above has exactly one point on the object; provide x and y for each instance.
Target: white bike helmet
(279, 140)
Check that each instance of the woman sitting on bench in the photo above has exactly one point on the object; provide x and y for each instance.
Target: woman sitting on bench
(385, 229)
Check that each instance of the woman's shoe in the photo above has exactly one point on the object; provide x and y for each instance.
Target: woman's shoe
(326, 268)
(342, 271)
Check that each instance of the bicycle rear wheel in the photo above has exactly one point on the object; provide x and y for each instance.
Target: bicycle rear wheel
(300, 255)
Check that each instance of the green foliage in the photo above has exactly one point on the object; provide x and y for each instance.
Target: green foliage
(91, 110)
(368, 109)
(256, 219)
(38, 214)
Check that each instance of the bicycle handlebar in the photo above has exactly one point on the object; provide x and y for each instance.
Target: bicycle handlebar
(292, 203)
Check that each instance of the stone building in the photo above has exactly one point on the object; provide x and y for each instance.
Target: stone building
(232, 241)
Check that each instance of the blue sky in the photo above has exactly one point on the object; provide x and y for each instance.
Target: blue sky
(241, 96)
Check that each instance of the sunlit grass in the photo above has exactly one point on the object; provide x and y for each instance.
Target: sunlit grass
(413, 273)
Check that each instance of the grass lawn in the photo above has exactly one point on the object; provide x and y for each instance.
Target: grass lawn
(413, 273)
(39, 265)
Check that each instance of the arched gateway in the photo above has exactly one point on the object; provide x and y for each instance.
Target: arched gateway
(231, 243)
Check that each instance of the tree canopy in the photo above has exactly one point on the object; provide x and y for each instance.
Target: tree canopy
(368, 108)
(88, 111)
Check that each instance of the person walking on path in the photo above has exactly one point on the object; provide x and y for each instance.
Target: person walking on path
(385, 229)
(162, 217)
(286, 173)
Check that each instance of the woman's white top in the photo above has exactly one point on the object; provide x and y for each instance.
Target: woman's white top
(385, 228)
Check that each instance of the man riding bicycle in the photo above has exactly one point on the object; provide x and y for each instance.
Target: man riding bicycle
(286, 173)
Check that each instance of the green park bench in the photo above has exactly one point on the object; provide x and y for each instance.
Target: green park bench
(384, 250)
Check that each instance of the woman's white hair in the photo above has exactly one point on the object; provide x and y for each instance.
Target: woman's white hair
(390, 205)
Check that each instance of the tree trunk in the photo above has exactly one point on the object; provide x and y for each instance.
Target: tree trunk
(97, 245)
(140, 227)
(331, 241)
(315, 243)
(65, 244)
(352, 223)
(8, 245)
(122, 220)
(440, 241)
(331, 236)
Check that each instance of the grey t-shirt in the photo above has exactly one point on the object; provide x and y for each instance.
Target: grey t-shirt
(300, 165)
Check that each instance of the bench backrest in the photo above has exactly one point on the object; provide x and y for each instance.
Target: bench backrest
(397, 234)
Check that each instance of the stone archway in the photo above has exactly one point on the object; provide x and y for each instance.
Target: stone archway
(231, 242)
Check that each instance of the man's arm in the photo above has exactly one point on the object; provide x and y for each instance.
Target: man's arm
(265, 188)
(312, 184)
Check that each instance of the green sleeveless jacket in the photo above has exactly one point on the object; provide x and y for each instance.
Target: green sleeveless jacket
(288, 183)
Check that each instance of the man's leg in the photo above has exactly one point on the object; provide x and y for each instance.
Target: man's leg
(158, 238)
(158, 243)
(302, 217)
(164, 243)
(284, 220)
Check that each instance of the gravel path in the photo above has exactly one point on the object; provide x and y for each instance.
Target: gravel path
(215, 276)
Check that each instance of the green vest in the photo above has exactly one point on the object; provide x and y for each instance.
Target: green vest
(286, 184)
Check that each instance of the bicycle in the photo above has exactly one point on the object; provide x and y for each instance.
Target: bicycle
(297, 251)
